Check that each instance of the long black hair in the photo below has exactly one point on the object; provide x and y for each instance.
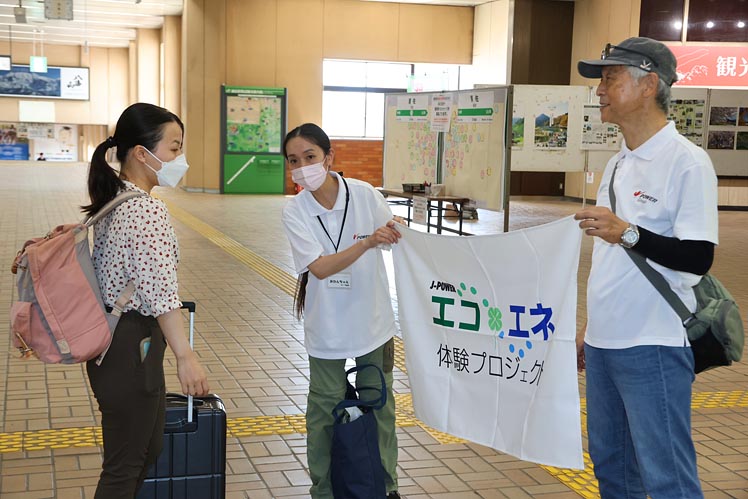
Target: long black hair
(317, 136)
(140, 124)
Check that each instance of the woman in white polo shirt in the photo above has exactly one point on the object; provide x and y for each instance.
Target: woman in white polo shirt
(336, 228)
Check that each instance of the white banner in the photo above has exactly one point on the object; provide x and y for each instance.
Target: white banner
(489, 324)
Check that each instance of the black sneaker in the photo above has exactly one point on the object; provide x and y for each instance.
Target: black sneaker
(393, 495)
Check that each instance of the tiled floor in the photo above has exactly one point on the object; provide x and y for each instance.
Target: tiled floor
(236, 265)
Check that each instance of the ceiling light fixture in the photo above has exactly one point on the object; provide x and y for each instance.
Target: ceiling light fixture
(20, 13)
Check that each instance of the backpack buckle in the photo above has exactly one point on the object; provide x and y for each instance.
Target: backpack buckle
(690, 321)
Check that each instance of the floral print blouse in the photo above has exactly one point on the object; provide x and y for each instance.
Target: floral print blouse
(136, 242)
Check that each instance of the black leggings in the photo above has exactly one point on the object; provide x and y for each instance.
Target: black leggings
(132, 402)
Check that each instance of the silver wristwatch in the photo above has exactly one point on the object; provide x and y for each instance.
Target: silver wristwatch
(630, 236)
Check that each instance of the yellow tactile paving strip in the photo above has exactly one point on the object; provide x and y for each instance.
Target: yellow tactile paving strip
(273, 274)
(90, 436)
(581, 482)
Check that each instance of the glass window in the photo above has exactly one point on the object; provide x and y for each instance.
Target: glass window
(387, 74)
(343, 73)
(353, 94)
(375, 115)
(661, 19)
(344, 113)
(717, 21)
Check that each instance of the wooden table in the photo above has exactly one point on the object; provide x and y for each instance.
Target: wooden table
(434, 203)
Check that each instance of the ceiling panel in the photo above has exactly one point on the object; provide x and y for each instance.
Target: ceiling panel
(110, 23)
(103, 23)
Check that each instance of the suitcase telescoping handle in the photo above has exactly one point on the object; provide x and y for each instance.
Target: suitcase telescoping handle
(190, 305)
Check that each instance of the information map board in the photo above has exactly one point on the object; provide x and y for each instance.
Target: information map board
(253, 126)
(455, 138)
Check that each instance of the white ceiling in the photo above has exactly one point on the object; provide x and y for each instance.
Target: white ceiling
(109, 23)
(102, 23)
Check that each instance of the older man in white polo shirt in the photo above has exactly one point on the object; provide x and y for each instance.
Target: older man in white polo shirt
(658, 198)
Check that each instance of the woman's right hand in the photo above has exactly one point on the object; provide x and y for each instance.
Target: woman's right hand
(386, 234)
(192, 375)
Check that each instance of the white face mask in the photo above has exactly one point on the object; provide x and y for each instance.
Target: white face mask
(310, 177)
(171, 172)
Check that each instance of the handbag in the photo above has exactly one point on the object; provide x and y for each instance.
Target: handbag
(715, 330)
(356, 470)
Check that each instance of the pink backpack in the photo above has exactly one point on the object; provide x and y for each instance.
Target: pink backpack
(59, 315)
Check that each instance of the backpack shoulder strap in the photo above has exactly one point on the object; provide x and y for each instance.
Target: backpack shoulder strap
(654, 277)
(104, 211)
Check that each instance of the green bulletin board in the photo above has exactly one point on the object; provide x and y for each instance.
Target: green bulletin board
(253, 125)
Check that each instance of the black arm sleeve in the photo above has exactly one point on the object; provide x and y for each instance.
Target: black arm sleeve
(695, 257)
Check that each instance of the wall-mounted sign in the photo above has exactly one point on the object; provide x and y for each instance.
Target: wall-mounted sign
(56, 83)
(711, 65)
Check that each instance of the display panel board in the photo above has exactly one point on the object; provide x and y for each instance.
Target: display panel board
(547, 128)
(253, 126)
(727, 132)
(456, 138)
(410, 145)
(473, 162)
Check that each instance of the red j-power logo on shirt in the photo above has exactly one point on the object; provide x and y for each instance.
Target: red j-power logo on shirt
(643, 197)
(358, 237)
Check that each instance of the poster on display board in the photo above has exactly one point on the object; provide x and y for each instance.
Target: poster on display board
(412, 108)
(518, 129)
(60, 145)
(13, 144)
(253, 126)
(689, 117)
(442, 112)
(551, 125)
(597, 135)
(727, 136)
(475, 107)
(547, 128)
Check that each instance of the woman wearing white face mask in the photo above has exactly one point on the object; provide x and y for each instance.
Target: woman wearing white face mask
(336, 227)
(136, 244)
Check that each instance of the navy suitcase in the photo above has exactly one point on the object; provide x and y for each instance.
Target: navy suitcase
(192, 464)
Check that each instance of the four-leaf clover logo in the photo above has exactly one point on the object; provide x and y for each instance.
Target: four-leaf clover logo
(494, 319)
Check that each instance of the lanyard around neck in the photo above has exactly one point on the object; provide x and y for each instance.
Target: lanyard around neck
(342, 225)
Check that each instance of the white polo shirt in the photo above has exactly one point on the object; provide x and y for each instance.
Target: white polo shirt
(667, 186)
(340, 322)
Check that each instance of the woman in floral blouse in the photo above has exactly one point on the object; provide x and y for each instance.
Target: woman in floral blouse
(136, 243)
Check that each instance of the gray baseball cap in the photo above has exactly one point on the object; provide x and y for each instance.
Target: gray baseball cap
(643, 53)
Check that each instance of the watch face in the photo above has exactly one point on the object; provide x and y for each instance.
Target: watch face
(629, 237)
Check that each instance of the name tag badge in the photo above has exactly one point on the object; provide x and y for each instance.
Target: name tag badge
(339, 281)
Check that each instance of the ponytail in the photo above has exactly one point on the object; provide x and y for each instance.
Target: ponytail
(300, 295)
(103, 181)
